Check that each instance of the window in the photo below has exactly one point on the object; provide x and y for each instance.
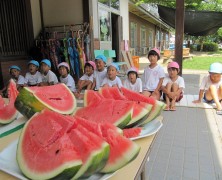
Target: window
(105, 28)
(142, 36)
(150, 39)
(110, 3)
(15, 36)
(133, 32)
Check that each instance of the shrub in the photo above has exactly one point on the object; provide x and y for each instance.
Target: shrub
(208, 47)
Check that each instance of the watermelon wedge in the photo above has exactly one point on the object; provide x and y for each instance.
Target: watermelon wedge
(56, 98)
(141, 110)
(45, 150)
(134, 96)
(8, 112)
(132, 132)
(93, 150)
(116, 112)
(91, 98)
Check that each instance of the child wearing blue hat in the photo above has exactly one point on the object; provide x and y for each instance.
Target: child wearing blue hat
(15, 75)
(112, 79)
(211, 87)
(33, 76)
(48, 77)
(100, 72)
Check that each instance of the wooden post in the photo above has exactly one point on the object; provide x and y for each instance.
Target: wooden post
(179, 33)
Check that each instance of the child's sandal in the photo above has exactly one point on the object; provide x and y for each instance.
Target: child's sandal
(173, 108)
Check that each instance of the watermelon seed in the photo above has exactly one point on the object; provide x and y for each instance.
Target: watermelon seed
(57, 151)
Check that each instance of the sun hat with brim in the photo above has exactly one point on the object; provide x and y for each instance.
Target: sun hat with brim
(92, 64)
(36, 63)
(101, 57)
(47, 62)
(173, 65)
(155, 50)
(132, 69)
(216, 68)
(64, 64)
(114, 65)
(14, 67)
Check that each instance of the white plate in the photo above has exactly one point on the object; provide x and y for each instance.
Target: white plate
(9, 164)
(149, 129)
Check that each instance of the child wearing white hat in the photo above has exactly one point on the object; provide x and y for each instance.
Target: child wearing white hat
(112, 80)
(33, 76)
(48, 77)
(133, 82)
(211, 87)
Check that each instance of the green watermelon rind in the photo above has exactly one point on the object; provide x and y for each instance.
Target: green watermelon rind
(125, 119)
(28, 104)
(129, 156)
(154, 113)
(9, 119)
(95, 162)
(65, 171)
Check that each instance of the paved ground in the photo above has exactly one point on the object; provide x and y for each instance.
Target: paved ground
(189, 145)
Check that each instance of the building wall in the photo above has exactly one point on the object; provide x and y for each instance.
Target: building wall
(124, 12)
(36, 17)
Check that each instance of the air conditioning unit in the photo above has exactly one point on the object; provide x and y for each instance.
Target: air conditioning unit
(133, 51)
(144, 50)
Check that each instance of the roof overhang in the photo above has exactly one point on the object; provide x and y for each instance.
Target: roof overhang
(144, 14)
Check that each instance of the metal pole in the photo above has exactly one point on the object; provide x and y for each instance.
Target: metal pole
(179, 33)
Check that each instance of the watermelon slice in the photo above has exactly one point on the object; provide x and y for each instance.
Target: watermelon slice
(141, 110)
(122, 151)
(132, 132)
(45, 150)
(94, 151)
(56, 98)
(8, 112)
(114, 111)
(134, 96)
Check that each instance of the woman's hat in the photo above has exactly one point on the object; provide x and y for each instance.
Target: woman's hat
(173, 64)
(14, 67)
(64, 64)
(36, 63)
(92, 64)
(132, 69)
(216, 68)
(114, 65)
(101, 57)
(47, 62)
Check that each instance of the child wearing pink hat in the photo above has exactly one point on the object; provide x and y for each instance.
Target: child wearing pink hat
(133, 82)
(153, 75)
(86, 81)
(172, 86)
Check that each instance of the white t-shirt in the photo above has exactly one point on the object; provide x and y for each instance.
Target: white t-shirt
(179, 81)
(137, 86)
(151, 77)
(99, 77)
(69, 82)
(50, 77)
(20, 81)
(110, 83)
(87, 78)
(206, 83)
(33, 79)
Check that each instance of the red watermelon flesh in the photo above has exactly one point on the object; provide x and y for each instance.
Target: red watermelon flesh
(45, 150)
(91, 98)
(112, 93)
(8, 112)
(132, 132)
(122, 151)
(113, 111)
(93, 149)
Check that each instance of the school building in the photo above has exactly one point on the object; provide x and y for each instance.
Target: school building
(64, 29)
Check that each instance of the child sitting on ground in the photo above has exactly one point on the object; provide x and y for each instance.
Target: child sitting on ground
(100, 73)
(172, 86)
(112, 80)
(211, 87)
(153, 76)
(33, 77)
(48, 77)
(133, 82)
(66, 78)
(15, 75)
(86, 81)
